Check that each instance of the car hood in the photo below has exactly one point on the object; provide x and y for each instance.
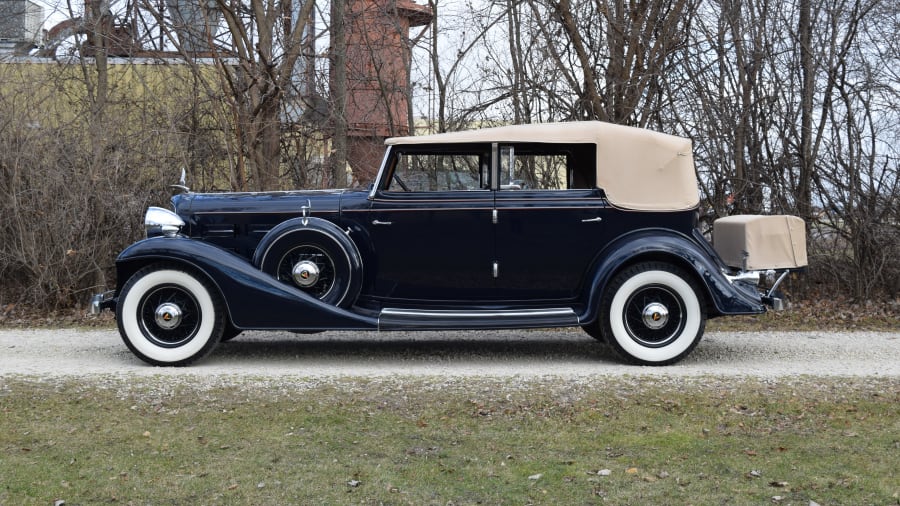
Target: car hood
(187, 204)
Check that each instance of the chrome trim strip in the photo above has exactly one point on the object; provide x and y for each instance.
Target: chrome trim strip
(486, 207)
(564, 311)
(483, 195)
(751, 277)
(542, 204)
(336, 191)
(461, 192)
(387, 155)
(292, 211)
(538, 190)
(495, 165)
(569, 201)
(419, 209)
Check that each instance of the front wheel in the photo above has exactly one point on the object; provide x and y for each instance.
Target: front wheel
(652, 314)
(169, 316)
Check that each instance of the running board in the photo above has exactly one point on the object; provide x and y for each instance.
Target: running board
(419, 319)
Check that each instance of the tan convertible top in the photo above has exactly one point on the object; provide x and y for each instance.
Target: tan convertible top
(638, 169)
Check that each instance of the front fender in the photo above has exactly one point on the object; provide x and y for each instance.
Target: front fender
(254, 299)
(665, 245)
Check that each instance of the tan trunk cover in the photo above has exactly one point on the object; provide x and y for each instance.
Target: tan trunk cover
(753, 242)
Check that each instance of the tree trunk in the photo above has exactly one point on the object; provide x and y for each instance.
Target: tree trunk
(807, 90)
(339, 93)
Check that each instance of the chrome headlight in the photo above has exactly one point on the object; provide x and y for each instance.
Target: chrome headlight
(162, 221)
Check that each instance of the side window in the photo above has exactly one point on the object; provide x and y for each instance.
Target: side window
(432, 172)
(547, 166)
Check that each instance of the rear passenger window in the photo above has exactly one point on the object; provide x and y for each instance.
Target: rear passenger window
(547, 166)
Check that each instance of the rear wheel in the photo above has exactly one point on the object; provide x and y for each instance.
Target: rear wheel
(169, 316)
(652, 314)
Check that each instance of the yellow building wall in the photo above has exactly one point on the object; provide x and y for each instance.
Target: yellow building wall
(62, 91)
(157, 115)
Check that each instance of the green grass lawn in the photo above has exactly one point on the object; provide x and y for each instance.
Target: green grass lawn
(442, 441)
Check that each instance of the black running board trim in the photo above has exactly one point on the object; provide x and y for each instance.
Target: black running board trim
(420, 319)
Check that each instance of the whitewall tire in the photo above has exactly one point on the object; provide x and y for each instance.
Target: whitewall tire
(167, 315)
(652, 314)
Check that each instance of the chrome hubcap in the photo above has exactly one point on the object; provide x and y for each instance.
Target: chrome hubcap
(168, 316)
(305, 273)
(655, 315)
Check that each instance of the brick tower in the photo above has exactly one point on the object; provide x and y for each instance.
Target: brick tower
(378, 58)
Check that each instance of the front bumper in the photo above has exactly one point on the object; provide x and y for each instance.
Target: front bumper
(101, 301)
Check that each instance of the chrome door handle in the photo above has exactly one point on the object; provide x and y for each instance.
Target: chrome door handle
(592, 220)
(378, 222)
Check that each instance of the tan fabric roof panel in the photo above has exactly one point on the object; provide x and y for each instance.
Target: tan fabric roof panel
(645, 170)
(638, 169)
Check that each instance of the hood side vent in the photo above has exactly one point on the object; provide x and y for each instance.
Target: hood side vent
(218, 231)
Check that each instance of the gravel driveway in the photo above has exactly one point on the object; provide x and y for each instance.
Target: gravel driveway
(563, 353)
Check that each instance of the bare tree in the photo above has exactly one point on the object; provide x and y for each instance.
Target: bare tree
(74, 184)
(256, 57)
(791, 106)
(459, 88)
(267, 51)
(339, 90)
(613, 54)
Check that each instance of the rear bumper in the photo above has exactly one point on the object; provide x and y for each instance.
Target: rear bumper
(776, 303)
(748, 282)
(101, 301)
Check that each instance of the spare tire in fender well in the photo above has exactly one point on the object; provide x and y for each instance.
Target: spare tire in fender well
(314, 255)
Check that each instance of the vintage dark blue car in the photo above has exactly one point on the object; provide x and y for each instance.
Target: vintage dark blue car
(555, 225)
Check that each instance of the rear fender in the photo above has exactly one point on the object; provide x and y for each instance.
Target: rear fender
(254, 299)
(667, 246)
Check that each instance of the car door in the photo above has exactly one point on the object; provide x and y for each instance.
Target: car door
(430, 227)
(551, 222)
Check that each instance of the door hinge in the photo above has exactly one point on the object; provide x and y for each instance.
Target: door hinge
(494, 217)
(496, 270)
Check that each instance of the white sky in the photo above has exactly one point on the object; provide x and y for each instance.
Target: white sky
(55, 11)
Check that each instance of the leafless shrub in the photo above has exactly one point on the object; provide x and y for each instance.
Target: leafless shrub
(73, 187)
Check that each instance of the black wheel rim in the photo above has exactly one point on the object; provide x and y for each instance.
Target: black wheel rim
(654, 296)
(308, 253)
(190, 316)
